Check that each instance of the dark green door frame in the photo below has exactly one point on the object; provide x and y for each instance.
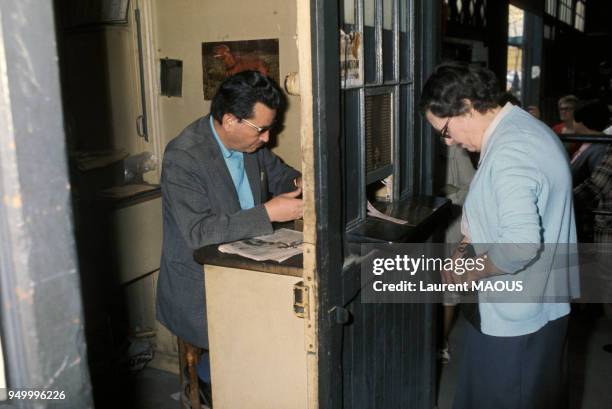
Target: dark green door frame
(331, 244)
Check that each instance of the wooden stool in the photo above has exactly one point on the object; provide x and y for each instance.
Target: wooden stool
(189, 356)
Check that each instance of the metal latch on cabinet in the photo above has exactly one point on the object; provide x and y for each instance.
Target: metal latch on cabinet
(300, 300)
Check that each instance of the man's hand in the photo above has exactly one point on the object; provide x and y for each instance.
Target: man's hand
(285, 207)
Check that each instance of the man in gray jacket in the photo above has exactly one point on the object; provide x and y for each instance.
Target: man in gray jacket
(215, 180)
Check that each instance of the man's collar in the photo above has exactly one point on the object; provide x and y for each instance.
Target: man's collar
(227, 153)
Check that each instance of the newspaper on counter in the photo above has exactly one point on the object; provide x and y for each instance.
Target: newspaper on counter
(278, 246)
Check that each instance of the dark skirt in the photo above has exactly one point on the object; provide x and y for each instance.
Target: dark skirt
(523, 372)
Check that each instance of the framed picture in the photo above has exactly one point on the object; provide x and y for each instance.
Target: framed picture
(225, 58)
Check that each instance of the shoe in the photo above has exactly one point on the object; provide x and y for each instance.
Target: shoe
(444, 356)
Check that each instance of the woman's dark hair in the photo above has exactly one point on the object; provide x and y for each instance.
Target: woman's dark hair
(595, 115)
(239, 93)
(451, 83)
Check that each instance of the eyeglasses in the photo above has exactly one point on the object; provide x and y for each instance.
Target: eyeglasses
(444, 131)
(259, 129)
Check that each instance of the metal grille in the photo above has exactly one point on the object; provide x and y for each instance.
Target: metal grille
(378, 134)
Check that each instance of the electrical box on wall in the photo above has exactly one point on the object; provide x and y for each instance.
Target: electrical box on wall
(171, 77)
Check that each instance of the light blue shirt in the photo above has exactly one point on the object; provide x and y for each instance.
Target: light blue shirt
(520, 200)
(234, 161)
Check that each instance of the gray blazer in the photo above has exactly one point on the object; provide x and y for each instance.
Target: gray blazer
(201, 207)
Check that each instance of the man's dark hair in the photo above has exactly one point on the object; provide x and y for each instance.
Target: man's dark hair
(239, 93)
(595, 115)
(451, 83)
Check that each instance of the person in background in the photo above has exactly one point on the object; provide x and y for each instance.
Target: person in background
(567, 105)
(521, 193)
(593, 197)
(591, 118)
(459, 174)
(534, 110)
(511, 98)
(216, 175)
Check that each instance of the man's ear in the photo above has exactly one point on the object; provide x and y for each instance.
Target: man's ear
(228, 121)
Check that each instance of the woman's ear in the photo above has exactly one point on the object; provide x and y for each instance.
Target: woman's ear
(469, 108)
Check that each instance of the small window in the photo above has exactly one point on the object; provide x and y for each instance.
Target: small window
(579, 20)
(565, 11)
(514, 72)
(551, 7)
(369, 40)
(404, 39)
(378, 136)
(388, 41)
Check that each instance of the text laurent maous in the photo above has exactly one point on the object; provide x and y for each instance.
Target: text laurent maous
(515, 286)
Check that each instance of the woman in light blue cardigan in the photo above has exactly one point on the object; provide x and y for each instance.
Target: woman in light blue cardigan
(519, 217)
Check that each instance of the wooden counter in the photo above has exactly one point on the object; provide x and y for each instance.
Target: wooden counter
(258, 352)
(256, 342)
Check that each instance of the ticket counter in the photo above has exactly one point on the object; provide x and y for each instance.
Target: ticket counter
(261, 340)
(257, 352)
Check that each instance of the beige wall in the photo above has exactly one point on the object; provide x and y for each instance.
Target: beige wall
(181, 26)
(179, 29)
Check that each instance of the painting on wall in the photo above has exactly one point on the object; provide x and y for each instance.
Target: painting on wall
(225, 58)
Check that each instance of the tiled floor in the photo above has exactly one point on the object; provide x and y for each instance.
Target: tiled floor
(157, 389)
(147, 389)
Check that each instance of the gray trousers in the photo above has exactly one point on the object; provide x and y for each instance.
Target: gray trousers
(523, 372)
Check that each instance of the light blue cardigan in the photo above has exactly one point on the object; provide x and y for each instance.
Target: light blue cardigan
(522, 194)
